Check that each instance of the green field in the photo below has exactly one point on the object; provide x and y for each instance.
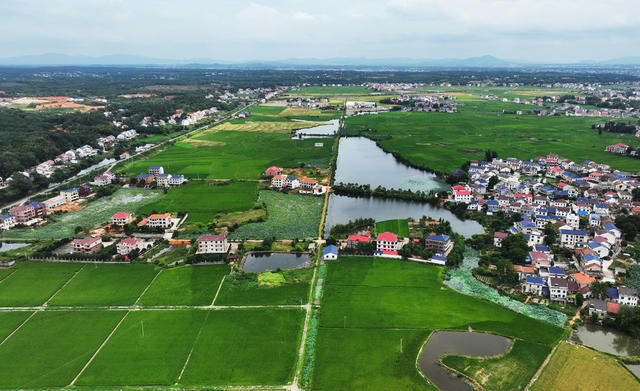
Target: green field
(131, 358)
(233, 155)
(246, 347)
(203, 200)
(506, 372)
(96, 213)
(289, 216)
(579, 368)
(444, 141)
(377, 303)
(399, 227)
(332, 90)
(51, 349)
(106, 284)
(271, 288)
(10, 320)
(185, 285)
(33, 283)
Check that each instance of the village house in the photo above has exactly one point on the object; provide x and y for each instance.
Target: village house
(101, 180)
(213, 244)
(573, 238)
(498, 237)
(441, 243)
(70, 195)
(558, 289)
(159, 220)
(353, 240)
(162, 180)
(54, 202)
(619, 148)
(308, 184)
(121, 218)
(536, 286)
(272, 171)
(387, 242)
(330, 253)
(126, 245)
(23, 214)
(156, 170)
(7, 221)
(39, 207)
(88, 245)
(291, 182)
(176, 180)
(628, 296)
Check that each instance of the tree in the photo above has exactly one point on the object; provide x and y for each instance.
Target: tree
(579, 299)
(551, 234)
(505, 272)
(515, 248)
(636, 194)
(630, 231)
(599, 289)
(492, 182)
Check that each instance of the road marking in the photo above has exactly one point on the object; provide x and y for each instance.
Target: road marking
(99, 349)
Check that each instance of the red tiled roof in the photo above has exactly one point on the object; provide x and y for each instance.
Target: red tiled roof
(121, 215)
(159, 216)
(613, 308)
(387, 237)
(87, 240)
(213, 238)
(358, 238)
(130, 241)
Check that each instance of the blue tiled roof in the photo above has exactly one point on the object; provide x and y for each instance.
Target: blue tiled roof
(573, 232)
(331, 249)
(612, 293)
(556, 270)
(535, 280)
(543, 249)
(610, 227)
(441, 238)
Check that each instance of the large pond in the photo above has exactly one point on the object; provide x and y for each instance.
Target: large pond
(264, 262)
(460, 343)
(606, 340)
(329, 128)
(341, 209)
(361, 161)
(11, 246)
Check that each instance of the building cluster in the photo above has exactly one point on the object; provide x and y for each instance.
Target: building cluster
(581, 199)
(624, 149)
(281, 181)
(193, 118)
(157, 174)
(438, 103)
(393, 86)
(308, 102)
(36, 211)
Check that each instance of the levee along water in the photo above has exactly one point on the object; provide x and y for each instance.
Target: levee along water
(461, 343)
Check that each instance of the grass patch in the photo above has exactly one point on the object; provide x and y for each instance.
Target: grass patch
(271, 288)
(268, 339)
(203, 200)
(186, 285)
(288, 216)
(399, 227)
(243, 155)
(9, 321)
(96, 213)
(106, 284)
(51, 349)
(34, 282)
(155, 358)
(507, 372)
(579, 368)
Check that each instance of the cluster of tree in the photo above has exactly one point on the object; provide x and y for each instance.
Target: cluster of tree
(356, 190)
(616, 127)
(359, 224)
(361, 248)
(629, 225)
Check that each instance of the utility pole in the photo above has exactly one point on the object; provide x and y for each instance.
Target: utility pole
(142, 325)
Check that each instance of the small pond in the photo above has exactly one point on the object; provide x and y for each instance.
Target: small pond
(460, 343)
(264, 262)
(341, 209)
(329, 128)
(11, 246)
(361, 161)
(606, 340)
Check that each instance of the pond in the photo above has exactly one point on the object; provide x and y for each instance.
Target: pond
(329, 128)
(264, 262)
(103, 163)
(361, 161)
(460, 343)
(11, 246)
(606, 340)
(341, 209)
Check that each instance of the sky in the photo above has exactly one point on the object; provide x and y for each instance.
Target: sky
(522, 30)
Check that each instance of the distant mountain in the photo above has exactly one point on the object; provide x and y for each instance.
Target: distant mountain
(486, 61)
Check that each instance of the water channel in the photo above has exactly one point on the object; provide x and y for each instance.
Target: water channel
(460, 343)
(264, 262)
(606, 340)
(11, 246)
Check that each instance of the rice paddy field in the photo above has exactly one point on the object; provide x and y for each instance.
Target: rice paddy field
(234, 155)
(270, 288)
(444, 141)
(203, 200)
(575, 367)
(382, 304)
(96, 213)
(173, 336)
(288, 216)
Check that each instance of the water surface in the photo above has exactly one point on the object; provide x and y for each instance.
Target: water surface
(329, 128)
(264, 262)
(606, 340)
(361, 161)
(11, 246)
(341, 209)
(460, 343)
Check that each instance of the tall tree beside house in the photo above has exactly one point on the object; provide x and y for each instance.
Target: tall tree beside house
(515, 248)
(492, 182)
(551, 234)
(505, 272)
(489, 155)
(599, 289)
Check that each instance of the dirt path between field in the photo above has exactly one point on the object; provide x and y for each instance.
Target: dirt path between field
(218, 291)
(542, 367)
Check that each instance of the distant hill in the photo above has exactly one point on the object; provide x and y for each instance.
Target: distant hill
(486, 61)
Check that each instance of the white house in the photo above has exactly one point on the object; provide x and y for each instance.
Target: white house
(388, 241)
(535, 285)
(558, 288)
(127, 245)
(213, 244)
(462, 196)
(330, 253)
(627, 296)
(7, 221)
(159, 220)
(121, 218)
(573, 238)
(70, 195)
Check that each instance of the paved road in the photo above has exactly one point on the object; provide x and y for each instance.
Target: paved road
(67, 181)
